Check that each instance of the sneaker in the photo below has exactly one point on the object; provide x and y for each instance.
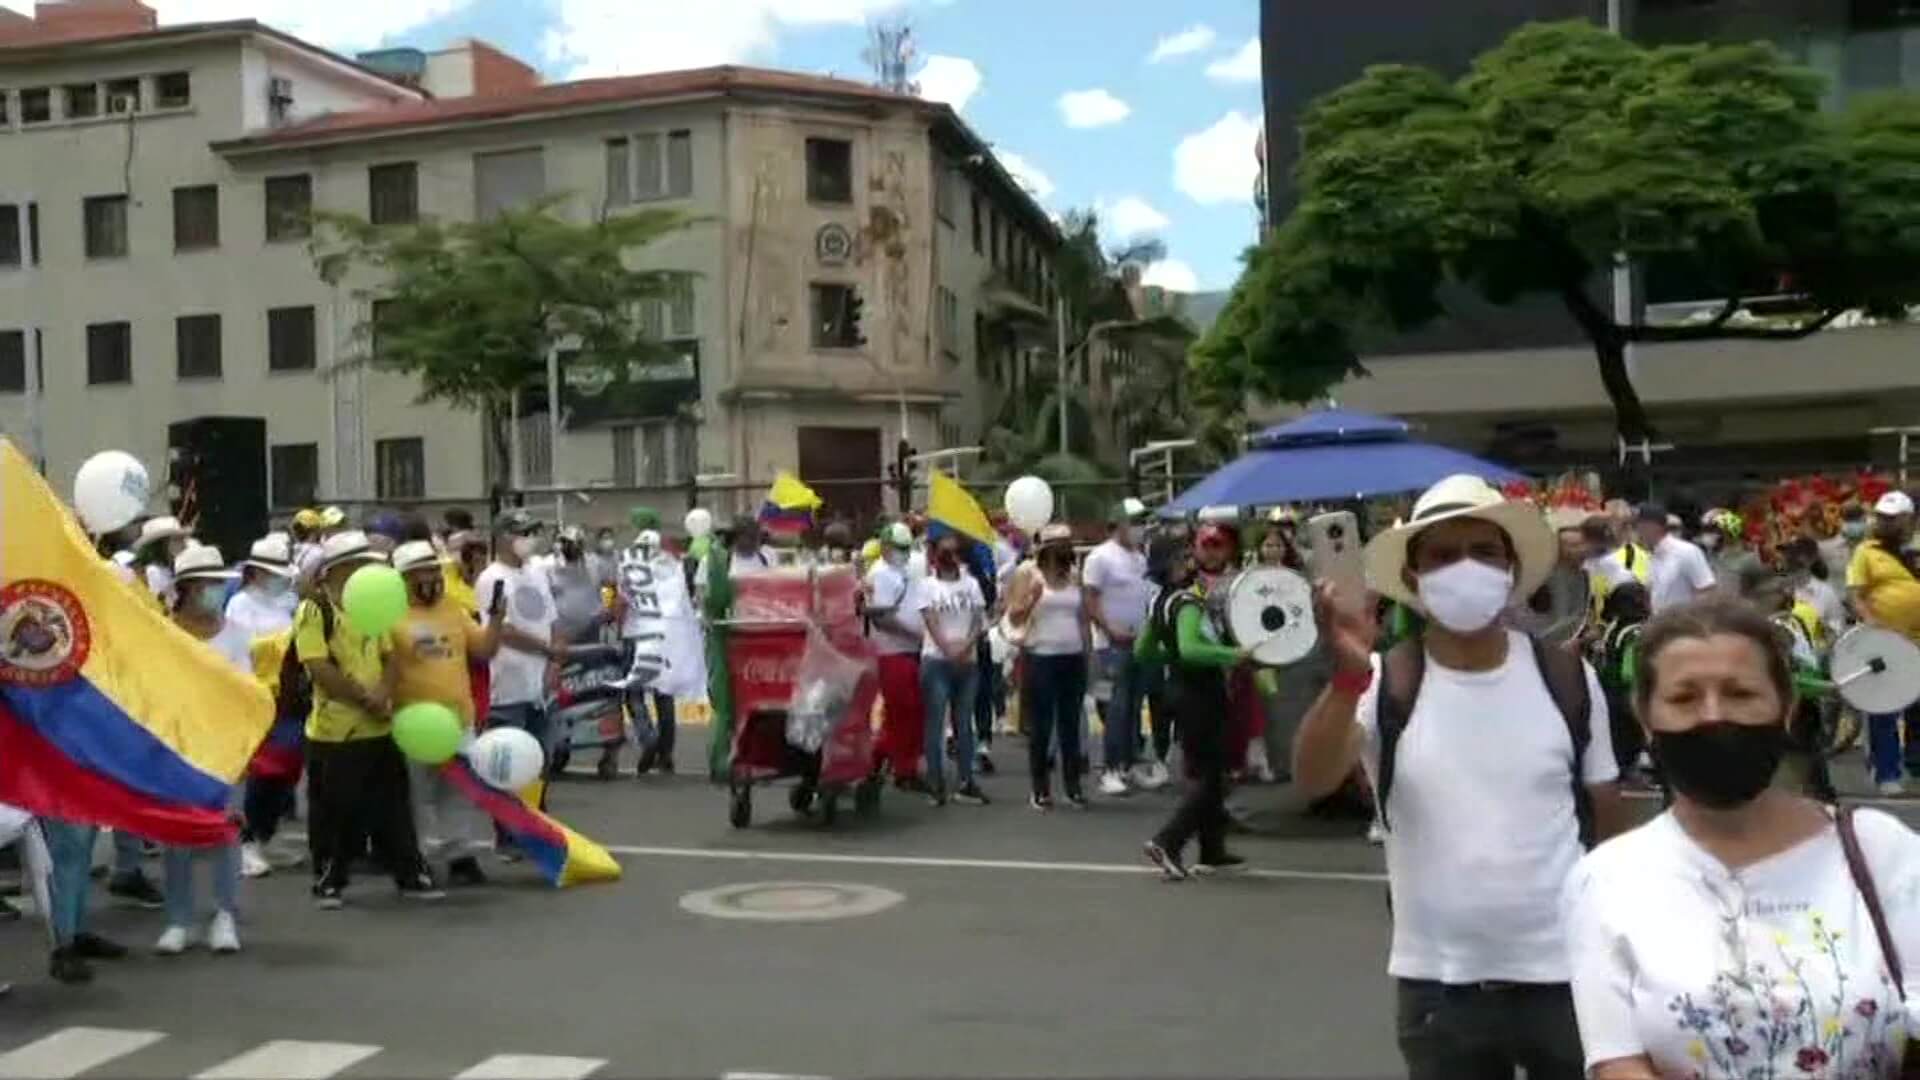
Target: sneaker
(983, 762)
(1376, 833)
(971, 795)
(1168, 862)
(135, 889)
(329, 897)
(1257, 764)
(421, 886)
(68, 967)
(90, 946)
(937, 796)
(8, 913)
(1042, 803)
(253, 861)
(607, 769)
(173, 941)
(1142, 776)
(1112, 783)
(645, 765)
(1893, 788)
(1077, 800)
(1222, 863)
(284, 858)
(222, 935)
(466, 872)
(663, 766)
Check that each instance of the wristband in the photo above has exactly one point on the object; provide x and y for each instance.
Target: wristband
(1355, 683)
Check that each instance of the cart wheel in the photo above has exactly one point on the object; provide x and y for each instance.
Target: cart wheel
(829, 808)
(866, 798)
(741, 812)
(800, 798)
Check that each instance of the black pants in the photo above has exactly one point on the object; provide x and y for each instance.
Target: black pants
(266, 803)
(1629, 740)
(1201, 704)
(1486, 1031)
(1055, 695)
(357, 791)
(1160, 709)
(989, 696)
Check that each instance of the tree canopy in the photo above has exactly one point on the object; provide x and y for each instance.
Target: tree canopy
(1563, 152)
(471, 308)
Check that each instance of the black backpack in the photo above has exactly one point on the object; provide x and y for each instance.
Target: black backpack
(295, 696)
(1405, 665)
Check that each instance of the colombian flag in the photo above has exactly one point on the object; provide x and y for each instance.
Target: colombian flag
(564, 856)
(950, 509)
(790, 505)
(109, 714)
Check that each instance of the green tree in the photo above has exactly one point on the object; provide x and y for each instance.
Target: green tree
(471, 309)
(1565, 151)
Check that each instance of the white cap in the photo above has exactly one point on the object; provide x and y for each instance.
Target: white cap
(415, 555)
(1894, 504)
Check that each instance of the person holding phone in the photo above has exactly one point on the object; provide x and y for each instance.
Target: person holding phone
(1058, 641)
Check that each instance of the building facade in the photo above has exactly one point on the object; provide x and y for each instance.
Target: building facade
(1520, 382)
(845, 246)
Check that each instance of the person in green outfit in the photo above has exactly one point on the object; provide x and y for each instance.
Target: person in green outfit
(1181, 633)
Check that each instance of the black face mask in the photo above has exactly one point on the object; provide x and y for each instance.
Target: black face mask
(1721, 765)
(429, 594)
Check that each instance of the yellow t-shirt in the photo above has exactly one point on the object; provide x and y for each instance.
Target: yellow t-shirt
(458, 590)
(359, 657)
(429, 651)
(1887, 587)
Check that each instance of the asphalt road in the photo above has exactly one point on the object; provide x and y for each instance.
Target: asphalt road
(1000, 942)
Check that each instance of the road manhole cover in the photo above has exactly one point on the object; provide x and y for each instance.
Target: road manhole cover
(790, 901)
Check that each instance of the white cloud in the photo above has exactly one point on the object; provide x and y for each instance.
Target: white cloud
(1241, 67)
(1217, 165)
(950, 79)
(1131, 216)
(1037, 183)
(1092, 108)
(1171, 275)
(1196, 38)
(605, 37)
(340, 24)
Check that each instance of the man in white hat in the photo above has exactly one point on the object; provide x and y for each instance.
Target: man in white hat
(1504, 768)
(356, 777)
(530, 647)
(264, 604)
(1886, 594)
(161, 541)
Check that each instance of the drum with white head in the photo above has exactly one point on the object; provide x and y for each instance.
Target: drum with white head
(1268, 611)
(1875, 670)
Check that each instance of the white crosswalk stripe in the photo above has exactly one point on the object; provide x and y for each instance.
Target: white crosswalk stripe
(291, 1059)
(72, 1051)
(533, 1067)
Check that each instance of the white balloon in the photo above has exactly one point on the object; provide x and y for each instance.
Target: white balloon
(508, 758)
(110, 490)
(699, 522)
(1029, 503)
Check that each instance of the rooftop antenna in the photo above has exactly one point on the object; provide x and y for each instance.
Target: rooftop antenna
(890, 52)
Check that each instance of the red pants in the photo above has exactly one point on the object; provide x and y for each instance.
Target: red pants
(903, 721)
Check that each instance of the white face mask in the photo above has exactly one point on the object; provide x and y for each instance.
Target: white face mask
(1710, 541)
(1467, 596)
(523, 547)
(896, 557)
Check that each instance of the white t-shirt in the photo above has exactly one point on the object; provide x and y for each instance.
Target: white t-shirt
(917, 563)
(956, 607)
(260, 615)
(519, 678)
(889, 587)
(1482, 825)
(1611, 568)
(1773, 970)
(1676, 570)
(1120, 573)
(1826, 602)
(1054, 627)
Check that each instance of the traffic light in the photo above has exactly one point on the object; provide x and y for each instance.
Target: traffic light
(903, 478)
(856, 317)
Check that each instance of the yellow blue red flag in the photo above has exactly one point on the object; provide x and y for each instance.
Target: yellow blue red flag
(949, 504)
(563, 856)
(109, 714)
(790, 505)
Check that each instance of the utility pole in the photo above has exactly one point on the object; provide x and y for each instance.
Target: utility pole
(30, 344)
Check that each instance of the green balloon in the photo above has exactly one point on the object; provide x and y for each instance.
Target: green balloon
(428, 732)
(375, 599)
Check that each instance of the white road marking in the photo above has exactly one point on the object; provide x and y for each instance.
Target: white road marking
(72, 1051)
(768, 1076)
(290, 1059)
(740, 855)
(533, 1067)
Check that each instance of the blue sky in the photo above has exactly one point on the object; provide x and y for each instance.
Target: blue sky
(1145, 110)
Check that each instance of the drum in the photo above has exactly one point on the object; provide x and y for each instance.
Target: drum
(1876, 671)
(1268, 611)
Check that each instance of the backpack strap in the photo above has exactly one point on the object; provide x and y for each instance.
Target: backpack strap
(1565, 674)
(1401, 671)
(1869, 894)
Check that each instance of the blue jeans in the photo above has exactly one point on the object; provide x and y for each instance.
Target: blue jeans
(1883, 746)
(222, 863)
(947, 689)
(1121, 711)
(70, 851)
(128, 855)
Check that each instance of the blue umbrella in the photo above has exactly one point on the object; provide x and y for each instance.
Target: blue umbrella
(1325, 456)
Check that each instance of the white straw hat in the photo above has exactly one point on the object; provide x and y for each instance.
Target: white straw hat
(1535, 547)
(201, 561)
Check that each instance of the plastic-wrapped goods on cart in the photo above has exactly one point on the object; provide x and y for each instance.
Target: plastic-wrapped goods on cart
(587, 710)
(796, 594)
(823, 690)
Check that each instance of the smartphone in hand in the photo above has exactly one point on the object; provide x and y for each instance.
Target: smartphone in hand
(1334, 555)
(497, 605)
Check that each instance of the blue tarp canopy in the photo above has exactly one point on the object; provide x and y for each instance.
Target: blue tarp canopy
(1331, 455)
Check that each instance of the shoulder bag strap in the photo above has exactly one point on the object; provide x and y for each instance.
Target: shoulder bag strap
(1863, 881)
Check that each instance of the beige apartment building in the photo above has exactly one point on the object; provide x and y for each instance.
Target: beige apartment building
(850, 251)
